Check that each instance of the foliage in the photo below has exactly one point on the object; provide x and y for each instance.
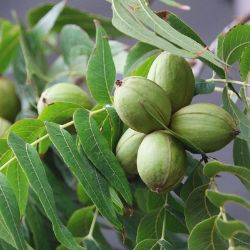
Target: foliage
(45, 158)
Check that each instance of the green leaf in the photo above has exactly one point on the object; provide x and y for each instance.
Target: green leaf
(238, 115)
(9, 37)
(31, 164)
(58, 112)
(74, 42)
(5, 234)
(241, 153)
(165, 245)
(42, 233)
(144, 68)
(10, 213)
(150, 226)
(213, 168)
(80, 221)
(198, 207)
(95, 185)
(245, 63)
(101, 69)
(5, 246)
(228, 229)
(205, 236)
(137, 55)
(202, 87)
(147, 244)
(143, 24)
(19, 184)
(97, 149)
(233, 43)
(46, 23)
(219, 199)
(3, 146)
(71, 15)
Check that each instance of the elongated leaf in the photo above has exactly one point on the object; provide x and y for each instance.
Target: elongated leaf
(245, 63)
(136, 19)
(5, 246)
(205, 236)
(233, 43)
(10, 213)
(74, 42)
(137, 55)
(219, 199)
(98, 151)
(95, 185)
(5, 234)
(9, 36)
(213, 168)
(202, 87)
(241, 153)
(149, 228)
(31, 164)
(42, 233)
(147, 244)
(228, 229)
(46, 23)
(101, 69)
(198, 207)
(165, 245)
(239, 116)
(71, 15)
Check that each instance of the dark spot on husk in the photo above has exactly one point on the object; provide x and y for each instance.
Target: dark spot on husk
(118, 83)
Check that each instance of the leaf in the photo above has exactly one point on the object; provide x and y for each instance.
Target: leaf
(146, 244)
(5, 246)
(228, 229)
(219, 199)
(5, 235)
(198, 207)
(165, 245)
(137, 55)
(10, 213)
(19, 184)
(31, 164)
(241, 153)
(101, 69)
(202, 87)
(98, 151)
(245, 63)
(95, 185)
(213, 168)
(238, 115)
(233, 43)
(205, 236)
(74, 42)
(58, 112)
(71, 15)
(46, 23)
(9, 37)
(42, 233)
(144, 68)
(80, 221)
(150, 226)
(135, 18)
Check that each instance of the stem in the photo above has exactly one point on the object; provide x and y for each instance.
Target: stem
(92, 227)
(227, 81)
(66, 125)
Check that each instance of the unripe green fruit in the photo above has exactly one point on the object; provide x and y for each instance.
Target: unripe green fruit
(175, 76)
(206, 125)
(9, 102)
(142, 104)
(4, 125)
(64, 92)
(161, 161)
(126, 150)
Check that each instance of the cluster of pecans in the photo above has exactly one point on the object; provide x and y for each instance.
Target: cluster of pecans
(149, 105)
